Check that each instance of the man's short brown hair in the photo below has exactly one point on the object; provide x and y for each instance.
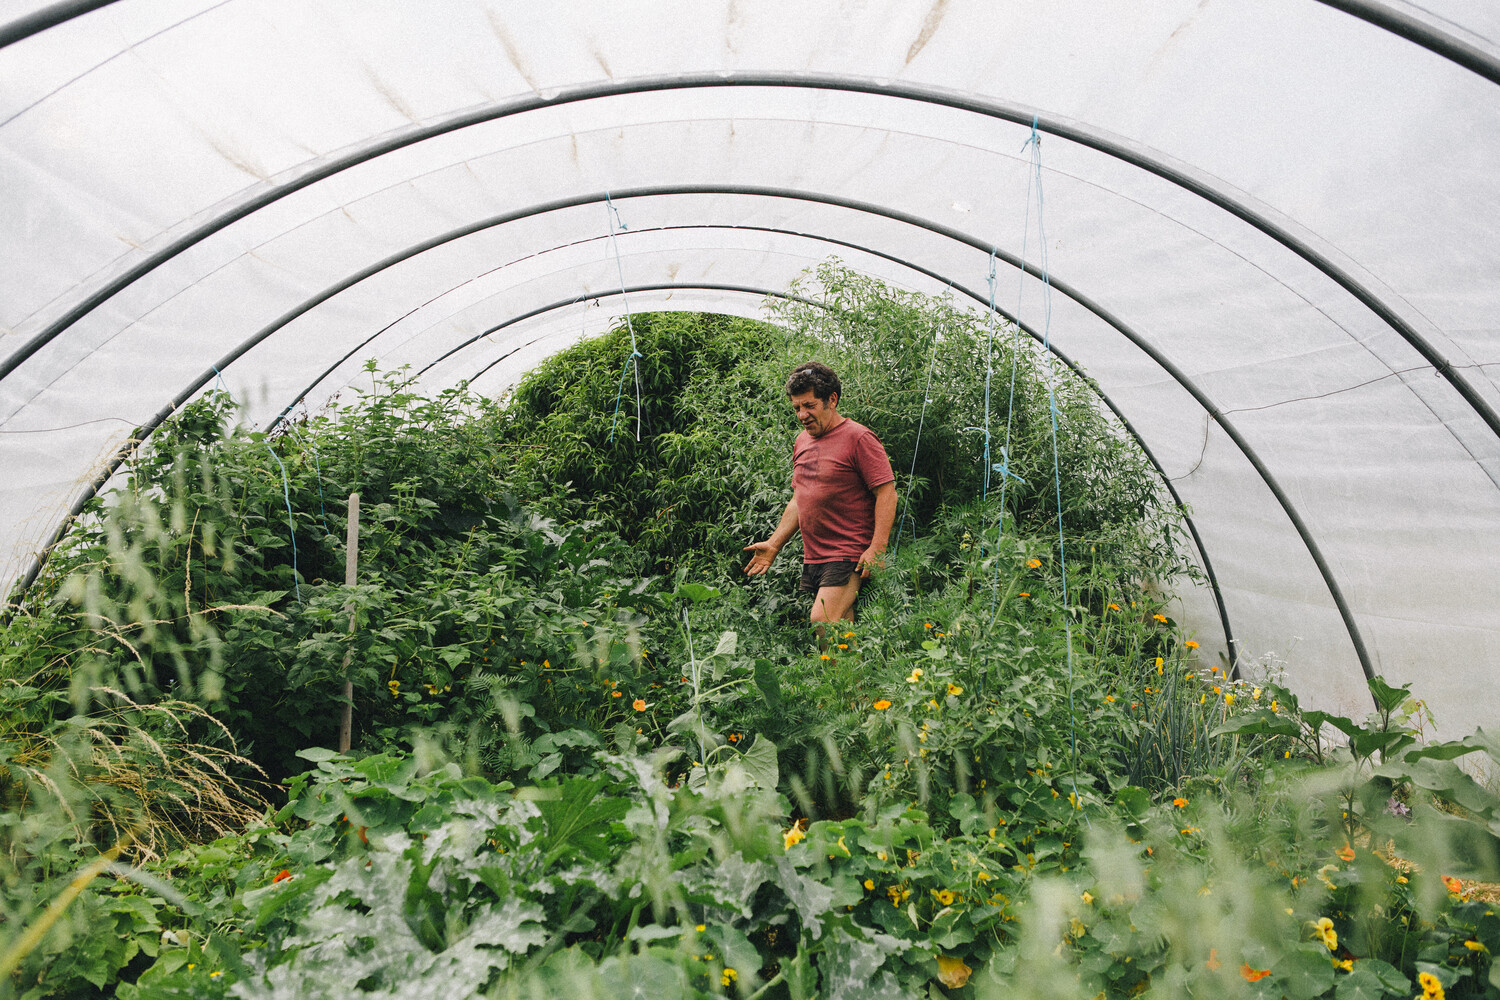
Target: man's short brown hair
(816, 378)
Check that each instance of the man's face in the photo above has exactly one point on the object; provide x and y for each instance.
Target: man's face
(816, 416)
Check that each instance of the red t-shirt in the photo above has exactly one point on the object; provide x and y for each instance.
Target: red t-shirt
(833, 480)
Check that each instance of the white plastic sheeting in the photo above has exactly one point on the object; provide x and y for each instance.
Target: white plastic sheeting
(1273, 230)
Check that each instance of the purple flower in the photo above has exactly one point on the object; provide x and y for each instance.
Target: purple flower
(1395, 807)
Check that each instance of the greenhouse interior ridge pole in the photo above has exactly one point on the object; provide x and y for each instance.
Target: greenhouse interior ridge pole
(1196, 182)
(1419, 32)
(47, 17)
(351, 577)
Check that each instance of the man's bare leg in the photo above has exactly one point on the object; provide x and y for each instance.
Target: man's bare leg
(835, 604)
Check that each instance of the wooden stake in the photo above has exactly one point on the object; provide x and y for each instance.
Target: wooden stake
(351, 576)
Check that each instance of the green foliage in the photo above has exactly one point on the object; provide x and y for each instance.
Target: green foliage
(592, 758)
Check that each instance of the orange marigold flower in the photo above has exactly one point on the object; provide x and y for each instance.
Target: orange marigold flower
(1114, 607)
(1160, 618)
(1190, 644)
(1253, 975)
(1179, 803)
(639, 704)
(1346, 852)
(1023, 594)
(882, 705)
(1033, 564)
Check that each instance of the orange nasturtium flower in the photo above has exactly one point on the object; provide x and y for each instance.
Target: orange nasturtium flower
(1454, 885)
(617, 694)
(639, 704)
(282, 876)
(882, 705)
(1213, 960)
(1346, 852)
(1253, 975)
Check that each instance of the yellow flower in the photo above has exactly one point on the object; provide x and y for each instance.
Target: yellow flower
(701, 928)
(1088, 899)
(869, 884)
(1255, 694)
(1109, 697)
(728, 977)
(1229, 699)
(1432, 986)
(952, 972)
(916, 675)
(932, 703)
(1033, 564)
(897, 894)
(944, 896)
(1323, 931)
(432, 688)
(882, 705)
(954, 689)
(1158, 666)
(1475, 946)
(794, 836)
(395, 687)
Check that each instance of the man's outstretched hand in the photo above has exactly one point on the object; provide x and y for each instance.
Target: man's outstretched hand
(872, 559)
(765, 554)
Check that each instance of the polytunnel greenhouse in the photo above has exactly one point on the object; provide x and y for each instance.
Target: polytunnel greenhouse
(1260, 241)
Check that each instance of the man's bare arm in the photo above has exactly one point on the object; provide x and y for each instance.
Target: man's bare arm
(885, 519)
(765, 552)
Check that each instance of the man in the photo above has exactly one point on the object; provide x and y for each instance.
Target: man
(843, 498)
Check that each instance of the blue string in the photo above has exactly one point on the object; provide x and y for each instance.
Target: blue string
(1035, 144)
(632, 363)
(286, 493)
(312, 446)
(916, 448)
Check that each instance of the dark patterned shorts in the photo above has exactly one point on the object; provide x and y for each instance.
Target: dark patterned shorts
(830, 574)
